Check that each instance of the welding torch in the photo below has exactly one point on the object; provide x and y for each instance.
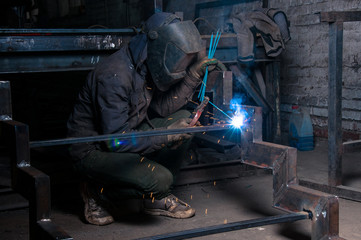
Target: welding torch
(199, 109)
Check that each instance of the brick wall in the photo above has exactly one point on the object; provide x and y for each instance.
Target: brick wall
(305, 61)
(305, 65)
(215, 16)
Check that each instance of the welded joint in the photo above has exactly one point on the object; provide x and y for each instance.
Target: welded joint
(284, 172)
(326, 218)
(23, 164)
(278, 170)
(290, 197)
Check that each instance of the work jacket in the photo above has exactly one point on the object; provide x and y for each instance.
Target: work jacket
(249, 24)
(116, 98)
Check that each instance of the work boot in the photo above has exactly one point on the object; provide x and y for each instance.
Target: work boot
(169, 206)
(94, 213)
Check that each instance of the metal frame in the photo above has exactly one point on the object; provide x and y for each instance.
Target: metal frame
(51, 50)
(321, 208)
(33, 184)
(214, 4)
(287, 193)
(335, 146)
(5, 101)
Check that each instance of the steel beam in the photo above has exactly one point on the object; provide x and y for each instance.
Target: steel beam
(46, 50)
(5, 101)
(350, 16)
(50, 62)
(341, 191)
(33, 184)
(198, 232)
(60, 31)
(53, 42)
(334, 104)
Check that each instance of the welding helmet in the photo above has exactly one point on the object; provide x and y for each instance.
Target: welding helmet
(172, 46)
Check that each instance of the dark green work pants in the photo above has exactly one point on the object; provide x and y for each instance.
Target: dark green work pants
(129, 175)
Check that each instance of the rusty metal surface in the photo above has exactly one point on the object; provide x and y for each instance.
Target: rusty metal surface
(324, 209)
(58, 49)
(346, 16)
(288, 194)
(54, 43)
(33, 184)
(341, 191)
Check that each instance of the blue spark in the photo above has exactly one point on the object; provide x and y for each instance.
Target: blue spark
(239, 114)
(113, 144)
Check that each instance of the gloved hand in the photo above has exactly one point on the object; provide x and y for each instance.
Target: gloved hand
(181, 123)
(198, 69)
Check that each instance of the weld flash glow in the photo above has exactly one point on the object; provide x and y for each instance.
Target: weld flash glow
(238, 120)
(239, 115)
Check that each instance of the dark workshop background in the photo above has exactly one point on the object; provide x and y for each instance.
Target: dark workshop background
(43, 99)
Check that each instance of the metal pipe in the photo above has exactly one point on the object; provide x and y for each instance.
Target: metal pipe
(197, 232)
(51, 31)
(65, 141)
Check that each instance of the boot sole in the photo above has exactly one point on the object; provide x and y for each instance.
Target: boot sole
(180, 214)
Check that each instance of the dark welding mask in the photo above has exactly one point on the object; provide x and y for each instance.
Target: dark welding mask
(172, 47)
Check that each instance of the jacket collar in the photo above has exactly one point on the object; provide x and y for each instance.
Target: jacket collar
(138, 49)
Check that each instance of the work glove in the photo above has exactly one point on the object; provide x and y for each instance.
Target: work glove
(176, 139)
(198, 69)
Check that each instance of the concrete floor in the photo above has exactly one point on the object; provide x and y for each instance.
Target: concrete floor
(216, 203)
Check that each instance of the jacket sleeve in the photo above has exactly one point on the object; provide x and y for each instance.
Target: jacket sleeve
(166, 103)
(112, 99)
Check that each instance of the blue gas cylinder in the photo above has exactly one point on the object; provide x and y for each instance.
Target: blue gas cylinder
(300, 129)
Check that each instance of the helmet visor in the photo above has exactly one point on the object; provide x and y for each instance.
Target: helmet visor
(173, 48)
(176, 60)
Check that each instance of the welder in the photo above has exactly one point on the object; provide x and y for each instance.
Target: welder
(142, 86)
